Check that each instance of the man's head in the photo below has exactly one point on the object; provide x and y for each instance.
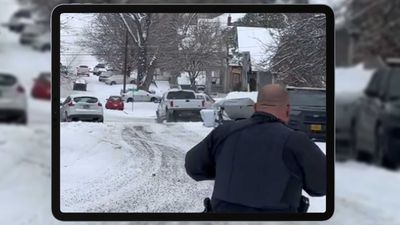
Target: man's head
(274, 99)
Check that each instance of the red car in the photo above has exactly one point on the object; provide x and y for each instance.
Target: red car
(115, 102)
(42, 86)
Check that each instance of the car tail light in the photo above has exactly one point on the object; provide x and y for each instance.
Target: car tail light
(202, 103)
(171, 103)
(71, 104)
(20, 89)
(99, 104)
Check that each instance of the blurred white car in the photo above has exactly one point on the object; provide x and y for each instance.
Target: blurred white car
(140, 96)
(118, 79)
(42, 42)
(81, 107)
(82, 70)
(19, 19)
(99, 68)
(208, 101)
(31, 32)
(13, 101)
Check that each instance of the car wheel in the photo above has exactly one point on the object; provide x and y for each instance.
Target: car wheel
(129, 100)
(357, 153)
(381, 156)
(23, 120)
(170, 116)
(67, 118)
(113, 82)
(45, 48)
(158, 119)
(132, 82)
(153, 99)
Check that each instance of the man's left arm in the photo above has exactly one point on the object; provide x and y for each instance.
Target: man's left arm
(199, 161)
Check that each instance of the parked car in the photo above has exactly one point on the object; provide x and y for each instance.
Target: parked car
(177, 103)
(13, 101)
(82, 70)
(42, 42)
(118, 79)
(81, 107)
(19, 19)
(99, 68)
(308, 111)
(376, 125)
(79, 85)
(31, 32)
(227, 111)
(115, 102)
(140, 96)
(42, 87)
(208, 100)
(104, 75)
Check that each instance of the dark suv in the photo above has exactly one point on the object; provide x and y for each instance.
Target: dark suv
(308, 111)
(376, 126)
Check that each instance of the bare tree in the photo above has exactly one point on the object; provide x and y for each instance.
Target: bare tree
(201, 47)
(375, 28)
(299, 57)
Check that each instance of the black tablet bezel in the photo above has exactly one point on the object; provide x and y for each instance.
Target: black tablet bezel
(179, 8)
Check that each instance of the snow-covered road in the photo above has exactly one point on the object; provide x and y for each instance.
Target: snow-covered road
(128, 167)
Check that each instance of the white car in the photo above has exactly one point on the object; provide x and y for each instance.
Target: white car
(13, 100)
(81, 107)
(99, 68)
(118, 79)
(20, 19)
(208, 101)
(140, 96)
(31, 32)
(82, 70)
(42, 42)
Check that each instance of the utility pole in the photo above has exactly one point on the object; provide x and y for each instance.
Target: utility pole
(126, 59)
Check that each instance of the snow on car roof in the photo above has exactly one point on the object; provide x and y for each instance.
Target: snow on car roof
(80, 81)
(82, 95)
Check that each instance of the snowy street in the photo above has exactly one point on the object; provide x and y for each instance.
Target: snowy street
(133, 166)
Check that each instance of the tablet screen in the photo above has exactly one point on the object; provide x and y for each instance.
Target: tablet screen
(139, 90)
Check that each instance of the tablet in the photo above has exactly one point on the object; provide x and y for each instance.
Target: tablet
(142, 93)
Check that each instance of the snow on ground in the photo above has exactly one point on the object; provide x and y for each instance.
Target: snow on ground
(128, 167)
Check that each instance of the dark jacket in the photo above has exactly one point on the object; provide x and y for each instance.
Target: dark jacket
(262, 165)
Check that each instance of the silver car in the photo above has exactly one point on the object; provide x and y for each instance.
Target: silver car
(13, 100)
(81, 108)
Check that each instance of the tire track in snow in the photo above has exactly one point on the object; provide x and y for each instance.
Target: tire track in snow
(168, 188)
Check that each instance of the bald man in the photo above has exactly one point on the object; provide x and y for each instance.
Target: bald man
(259, 164)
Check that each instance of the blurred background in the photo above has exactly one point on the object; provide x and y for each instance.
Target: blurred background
(367, 111)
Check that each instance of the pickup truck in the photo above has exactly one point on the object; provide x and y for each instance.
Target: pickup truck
(177, 103)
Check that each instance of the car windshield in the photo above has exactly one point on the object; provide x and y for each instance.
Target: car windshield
(83, 66)
(307, 98)
(181, 95)
(85, 99)
(23, 14)
(101, 66)
(114, 98)
(7, 80)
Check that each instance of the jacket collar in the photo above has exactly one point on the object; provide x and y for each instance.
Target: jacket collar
(267, 117)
